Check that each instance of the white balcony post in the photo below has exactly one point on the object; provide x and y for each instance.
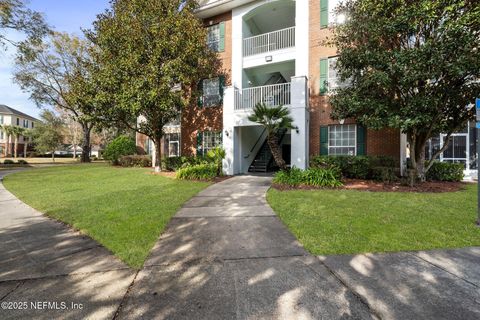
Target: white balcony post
(229, 98)
(300, 115)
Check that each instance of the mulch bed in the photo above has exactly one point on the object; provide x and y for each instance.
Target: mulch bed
(375, 186)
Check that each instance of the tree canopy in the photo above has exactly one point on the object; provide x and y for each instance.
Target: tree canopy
(14, 15)
(146, 48)
(412, 65)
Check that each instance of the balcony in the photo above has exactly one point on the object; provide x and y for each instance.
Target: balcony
(271, 95)
(268, 42)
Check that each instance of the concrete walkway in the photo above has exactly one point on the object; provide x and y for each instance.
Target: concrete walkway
(44, 261)
(225, 255)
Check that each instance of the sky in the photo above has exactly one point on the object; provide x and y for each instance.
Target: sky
(62, 15)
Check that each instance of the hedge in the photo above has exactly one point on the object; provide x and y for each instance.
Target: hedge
(445, 171)
(319, 177)
(135, 161)
(205, 171)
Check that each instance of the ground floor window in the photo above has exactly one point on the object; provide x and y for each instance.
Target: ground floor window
(172, 144)
(342, 140)
(462, 147)
(207, 140)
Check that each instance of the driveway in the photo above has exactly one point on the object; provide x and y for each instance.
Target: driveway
(226, 255)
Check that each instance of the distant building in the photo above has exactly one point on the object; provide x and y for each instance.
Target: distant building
(13, 117)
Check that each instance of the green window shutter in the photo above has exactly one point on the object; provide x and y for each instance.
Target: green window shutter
(323, 13)
(221, 44)
(324, 140)
(361, 140)
(323, 76)
(200, 94)
(221, 85)
(199, 143)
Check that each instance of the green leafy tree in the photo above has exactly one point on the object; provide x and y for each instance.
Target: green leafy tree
(48, 133)
(15, 16)
(273, 119)
(58, 75)
(413, 65)
(120, 146)
(145, 49)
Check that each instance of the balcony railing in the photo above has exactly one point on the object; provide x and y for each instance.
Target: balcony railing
(276, 40)
(271, 95)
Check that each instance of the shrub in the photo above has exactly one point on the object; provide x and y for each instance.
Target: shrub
(135, 161)
(175, 163)
(206, 171)
(444, 171)
(357, 167)
(216, 156)
(8, 162)
(384, 174)
(120, 146)
(319, 177)
(21, 161)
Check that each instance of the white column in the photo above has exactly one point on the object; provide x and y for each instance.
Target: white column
(301, 37)
(300, 115)
(228, 131)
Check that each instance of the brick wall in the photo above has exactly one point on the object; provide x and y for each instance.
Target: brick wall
(383, 142)
(195, 119)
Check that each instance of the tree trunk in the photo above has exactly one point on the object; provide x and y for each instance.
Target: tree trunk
(25, 148)
(417, 156)
(158, 154)
(74, 151)
(272, 141)
(86, 143)
(15, 147)
(53, 156)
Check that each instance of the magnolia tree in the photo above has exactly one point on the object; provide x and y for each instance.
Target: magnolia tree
(413, 65)
(144, 50)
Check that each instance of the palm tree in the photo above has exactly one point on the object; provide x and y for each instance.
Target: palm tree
(27, 136)
(8, 129)
(273, 119)
(16, 132)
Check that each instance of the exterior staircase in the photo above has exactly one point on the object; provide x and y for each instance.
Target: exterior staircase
(263, 161)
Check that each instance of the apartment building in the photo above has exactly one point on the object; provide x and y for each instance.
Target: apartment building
(272, 52)
(13, 117)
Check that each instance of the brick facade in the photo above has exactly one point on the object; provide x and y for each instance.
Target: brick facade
(383, 142)
(194, 118)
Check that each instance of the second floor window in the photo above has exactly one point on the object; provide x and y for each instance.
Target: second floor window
(18, 121)
(25, 123)
(329, 77)
(216, 37)
(1, 119)
(212, 92)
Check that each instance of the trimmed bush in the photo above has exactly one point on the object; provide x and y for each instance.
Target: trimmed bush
(216, 156)
(444, 171)
(358, 167)
(120, 146)
(22, 161)
(135, 161)
(206, 171)
(384, 174)
(175, 163)
(319, 177)
(8, 162)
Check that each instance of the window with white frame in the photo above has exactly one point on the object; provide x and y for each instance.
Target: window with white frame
(334, 81)
(211, 140)
(173, 144)
(212, 95)
(213, 37)
(342, 139)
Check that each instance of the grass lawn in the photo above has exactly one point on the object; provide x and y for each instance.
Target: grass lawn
(123, 209)
(346, 222)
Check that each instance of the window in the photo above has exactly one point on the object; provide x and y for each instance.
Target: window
(342, 140)
(1, 118)
(1, 135)
(212, 92)
(172, 143)
(213, 37)
(25, 123)
(33, 124)
(18, 121)
(208, 140)
(334, 81)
